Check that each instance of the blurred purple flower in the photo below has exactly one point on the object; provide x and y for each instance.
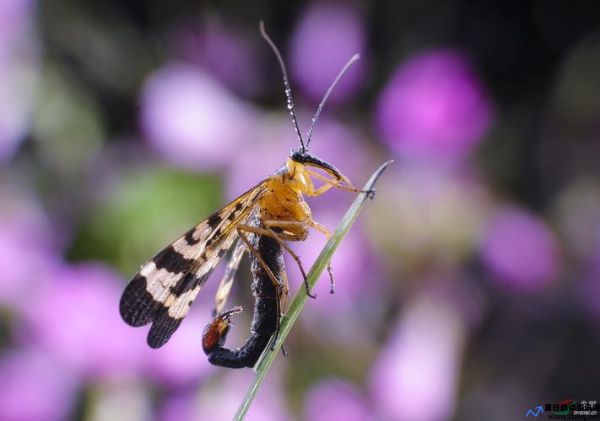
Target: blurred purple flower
(75, 318)
(335, 399)
(434, 107)
(180, 406)
(34, 387)
(23, 227)
(416, 376)
(272, 145)
(192, 120)
(15, 16)
(520, 250)
(222, 49)
(18, 72)
(328, 34)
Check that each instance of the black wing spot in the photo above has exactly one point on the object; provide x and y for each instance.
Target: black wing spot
(216, 236)
(236, 211)
(172, 261)
(214, 220)
(137, 306)
(189, 237)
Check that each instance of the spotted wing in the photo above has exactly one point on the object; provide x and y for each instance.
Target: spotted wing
(163, 290)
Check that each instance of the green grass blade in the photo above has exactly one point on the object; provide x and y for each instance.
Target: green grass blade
(264, 363)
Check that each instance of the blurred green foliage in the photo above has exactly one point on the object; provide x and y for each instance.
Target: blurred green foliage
(144, 210)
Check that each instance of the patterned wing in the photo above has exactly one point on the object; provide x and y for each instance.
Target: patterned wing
(163, 290)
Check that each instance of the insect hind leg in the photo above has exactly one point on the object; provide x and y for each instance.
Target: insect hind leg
(256, 254)
(280, 237)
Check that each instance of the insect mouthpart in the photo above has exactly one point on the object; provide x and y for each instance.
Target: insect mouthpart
(302, 156)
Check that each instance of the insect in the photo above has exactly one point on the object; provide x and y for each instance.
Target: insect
(259, 222)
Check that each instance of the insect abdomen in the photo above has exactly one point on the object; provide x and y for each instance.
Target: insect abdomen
(265, 307)
(266, 311)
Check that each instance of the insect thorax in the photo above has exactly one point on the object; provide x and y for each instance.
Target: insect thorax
(282, 202)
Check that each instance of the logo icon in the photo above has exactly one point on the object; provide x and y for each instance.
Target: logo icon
(535, 411)
(566, 409)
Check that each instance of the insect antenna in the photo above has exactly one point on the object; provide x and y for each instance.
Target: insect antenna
(350, 62)
(286, 83)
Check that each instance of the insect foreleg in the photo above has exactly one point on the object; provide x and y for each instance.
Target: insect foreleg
(330, 183)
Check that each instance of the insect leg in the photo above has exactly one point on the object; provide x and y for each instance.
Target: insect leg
(303, 225)
(329, 183)
(282, 303)
(256, 254)
(227, 281)
(325, 231)
(270, 233)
